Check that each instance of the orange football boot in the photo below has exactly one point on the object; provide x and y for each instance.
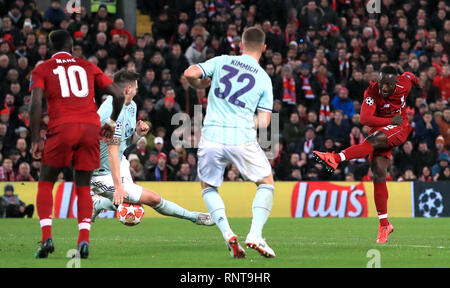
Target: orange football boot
(383, 233)
(326, 159)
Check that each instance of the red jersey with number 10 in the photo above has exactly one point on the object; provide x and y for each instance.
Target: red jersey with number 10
(69, 84)
(377, 111)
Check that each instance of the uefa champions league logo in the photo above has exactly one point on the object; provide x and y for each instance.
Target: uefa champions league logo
(430, 203)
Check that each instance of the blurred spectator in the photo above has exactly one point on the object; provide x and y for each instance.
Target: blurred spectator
(426, 128)
(404, 157)
(161, 171)
(339, 129)
(342, 102)
(24, 172)
(425, 174)
(443, 122)
(196, 53)
(12, 207)
(54, 13)
(185, 173)
(442, 163)
(138, 168)
(294, 130)
(6, 170)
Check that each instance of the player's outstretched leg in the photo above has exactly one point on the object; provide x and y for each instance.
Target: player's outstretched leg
(261, 207)
(216, 208)
(376, 141)
(44, 205)
(169, 208)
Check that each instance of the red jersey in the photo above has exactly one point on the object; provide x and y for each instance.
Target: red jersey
(377, 111)
(69, 84)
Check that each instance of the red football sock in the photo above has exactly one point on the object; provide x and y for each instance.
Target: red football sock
(84, 212)
(355, 151)
(381, 198)
(44, 205)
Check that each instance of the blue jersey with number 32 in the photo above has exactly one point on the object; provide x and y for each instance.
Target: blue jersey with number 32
(239, 87)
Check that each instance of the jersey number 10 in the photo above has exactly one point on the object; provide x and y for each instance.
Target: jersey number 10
(72, 84)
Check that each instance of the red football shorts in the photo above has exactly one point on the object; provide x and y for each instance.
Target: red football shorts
(396, 136)
(73, 145)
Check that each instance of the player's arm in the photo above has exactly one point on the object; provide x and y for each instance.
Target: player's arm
(412, 77)
(114, 165)
(198, 75)
(193, 74)
(35, 120)
(265, 104)
(105, 84)
(368, 109)
(113, 145)
(262, 119)
(37, 89)
(118, 98)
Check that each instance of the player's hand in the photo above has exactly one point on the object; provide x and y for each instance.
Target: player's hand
(142, 128)
(119, 195)
(204, 83)
(107, 132)
(36, 149)
(397, 120)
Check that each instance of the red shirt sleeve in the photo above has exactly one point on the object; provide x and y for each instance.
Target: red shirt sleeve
(37, 78)
(368, 109)
(411, 77)
(101, 80)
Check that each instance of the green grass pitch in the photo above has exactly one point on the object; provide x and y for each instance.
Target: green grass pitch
(175, 243)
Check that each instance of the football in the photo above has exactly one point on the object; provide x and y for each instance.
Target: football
(130, 214)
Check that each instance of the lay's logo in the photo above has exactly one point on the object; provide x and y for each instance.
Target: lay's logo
(324, 199)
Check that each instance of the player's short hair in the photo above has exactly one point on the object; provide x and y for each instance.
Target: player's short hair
(123, 76)
(389, 70)
(253, 38)
(60, 40)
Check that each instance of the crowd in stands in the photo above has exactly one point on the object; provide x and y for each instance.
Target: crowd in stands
(321, 55)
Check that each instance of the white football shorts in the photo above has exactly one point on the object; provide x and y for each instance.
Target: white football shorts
(249, 158)
(104, 186)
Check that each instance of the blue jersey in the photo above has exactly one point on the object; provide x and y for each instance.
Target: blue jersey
(125, 126)
(239, 87)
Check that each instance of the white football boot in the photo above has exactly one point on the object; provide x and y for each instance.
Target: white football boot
(259, 244)
(204, 219)
(95, 199)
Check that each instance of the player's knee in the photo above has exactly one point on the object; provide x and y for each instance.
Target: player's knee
(266, 180)
(150, 198)
(378, 140)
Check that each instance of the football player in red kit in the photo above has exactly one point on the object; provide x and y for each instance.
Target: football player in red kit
(73, 134)
(383, 110)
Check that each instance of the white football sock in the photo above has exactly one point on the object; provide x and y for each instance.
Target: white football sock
(168, 208)
(216, 208)
(261, 207)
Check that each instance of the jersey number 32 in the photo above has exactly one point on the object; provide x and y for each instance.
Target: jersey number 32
(226, 80)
